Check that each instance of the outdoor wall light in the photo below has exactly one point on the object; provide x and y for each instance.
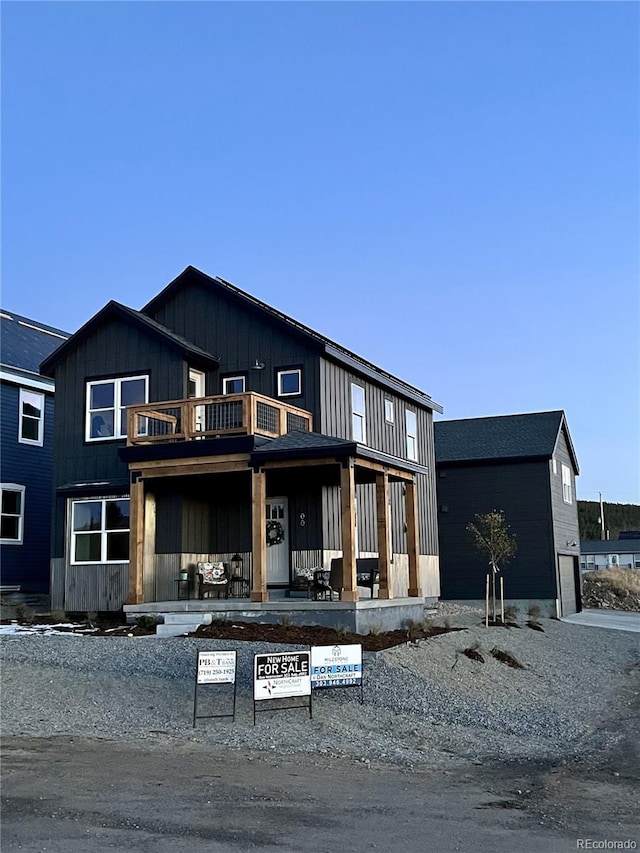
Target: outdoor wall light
(258, 365)
(571, 543)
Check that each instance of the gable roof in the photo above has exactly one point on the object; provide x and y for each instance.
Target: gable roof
(525, 436)
(150, 326)
(326, 346)
(24, 342)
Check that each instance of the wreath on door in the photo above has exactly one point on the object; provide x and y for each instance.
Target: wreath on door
(275, 533)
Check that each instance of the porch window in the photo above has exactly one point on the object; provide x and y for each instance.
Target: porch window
(567, 496)
(107, 401)
(289, 383)
(233, 385)
(100, 531)
(411, 421)
(31, 418)
(358, 417)
(12, 517)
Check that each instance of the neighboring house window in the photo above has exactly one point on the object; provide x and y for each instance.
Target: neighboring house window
(31, 418)
(107, 401)
(12, 519)
(289, 383)
(233, 385)
(388, 411)
(100, 531)
(358, 419)
(411, 420)
(567, 496)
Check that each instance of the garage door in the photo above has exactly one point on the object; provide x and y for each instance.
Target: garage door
(568, 572)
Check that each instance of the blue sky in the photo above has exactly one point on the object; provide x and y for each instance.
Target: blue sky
(451, 190)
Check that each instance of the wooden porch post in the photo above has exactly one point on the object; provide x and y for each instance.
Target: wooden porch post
(149, 547)
(348, 506)
(384, 543)
(136, 541)
(259, 537)
(413, 547)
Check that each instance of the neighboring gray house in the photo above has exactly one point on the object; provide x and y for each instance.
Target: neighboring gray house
(609, 554)
(526, 466)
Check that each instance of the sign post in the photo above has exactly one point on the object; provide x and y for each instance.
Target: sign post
(337, 666)
(280, 676)
(214, 668)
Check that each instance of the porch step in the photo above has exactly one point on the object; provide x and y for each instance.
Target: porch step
(176, 624)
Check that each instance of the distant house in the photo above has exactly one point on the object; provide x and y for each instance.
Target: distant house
(26, 449)
(525, 465)
(210, 427)
(623, 553)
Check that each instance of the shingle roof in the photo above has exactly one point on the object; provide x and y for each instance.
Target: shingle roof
(610, 546)
(301, 440)
(504, 437)
(24, 343)
(129, 314)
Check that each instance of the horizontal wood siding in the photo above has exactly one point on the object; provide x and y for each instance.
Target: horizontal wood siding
(240, 336)
(96, 587)
(30, 466)
(521, 490)
(565, 515)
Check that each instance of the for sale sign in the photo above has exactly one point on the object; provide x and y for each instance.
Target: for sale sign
(216, 668)
(336, 666)
(281, 675)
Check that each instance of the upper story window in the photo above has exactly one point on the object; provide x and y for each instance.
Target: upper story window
(388, 411)
(100, 531)
(411, 421)
(233, 385)
(567, 493)
(289, 382)
(358, 417)
(554, 465)
(31, 430)
(12, 517)
(107, 401)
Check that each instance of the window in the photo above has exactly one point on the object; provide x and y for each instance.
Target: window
(107, 401)
(554, 465)
(388, 411)
(289, 383)
(31, 429)
(233, 385)
(12, 518)
(411, 420)
(566, 485)
(358, 420)
(100, 531)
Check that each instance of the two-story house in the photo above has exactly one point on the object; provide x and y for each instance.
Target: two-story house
(209, 426)
(524, 465)
(26, 399)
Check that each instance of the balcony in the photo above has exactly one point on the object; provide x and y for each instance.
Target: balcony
(211, 417)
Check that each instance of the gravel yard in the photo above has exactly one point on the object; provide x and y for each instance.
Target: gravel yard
(424, 703)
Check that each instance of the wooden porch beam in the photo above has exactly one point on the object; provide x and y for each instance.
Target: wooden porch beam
(380, 468)
(413, 546)
(348, 516)
(259, 536)
(297, 463)
(384, 540)
(136, 543)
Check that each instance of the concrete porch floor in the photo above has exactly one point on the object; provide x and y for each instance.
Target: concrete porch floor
(359, 617)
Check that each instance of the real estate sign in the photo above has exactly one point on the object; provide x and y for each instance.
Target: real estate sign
(336, 666)
(216, 668)
(280, 675)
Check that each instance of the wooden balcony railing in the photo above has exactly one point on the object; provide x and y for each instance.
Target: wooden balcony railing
(203, 417)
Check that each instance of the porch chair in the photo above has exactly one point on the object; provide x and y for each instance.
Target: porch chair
(367, 573)
(212, 577)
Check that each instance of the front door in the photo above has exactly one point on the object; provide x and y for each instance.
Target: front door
(277, 533)
(196, 388)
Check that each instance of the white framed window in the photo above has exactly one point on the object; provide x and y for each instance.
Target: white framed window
(289, 382)
(411, 422)
(567, 492)
(554, 465)
(233, 385)
(31, 426)
(100, 531)
(107, 401)
(388, 411)
(358, 416)
(12, 516)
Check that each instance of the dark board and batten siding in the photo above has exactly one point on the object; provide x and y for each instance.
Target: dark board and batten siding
(389, 438)
(240, 336)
